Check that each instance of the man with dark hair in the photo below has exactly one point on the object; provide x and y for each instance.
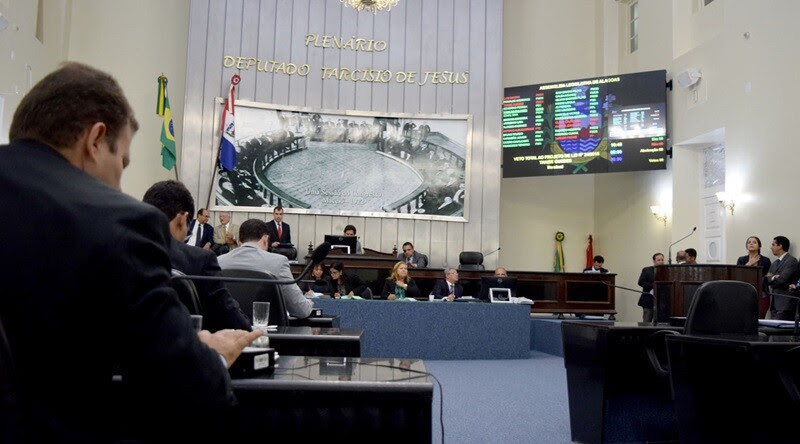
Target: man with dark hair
(691, 256)
(350, 230)
(412, 258)
(646, 280)
(597, 265)
(252, 254)
(102, 291)
(781, 274)
(219, 309)
(201, 233)
(280, 235)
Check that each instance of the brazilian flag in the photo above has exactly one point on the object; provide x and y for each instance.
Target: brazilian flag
(168, 155)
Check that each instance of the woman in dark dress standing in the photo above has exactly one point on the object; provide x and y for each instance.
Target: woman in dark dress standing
(755, 259)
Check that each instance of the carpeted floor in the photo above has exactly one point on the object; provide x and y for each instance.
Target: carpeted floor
(502, 401)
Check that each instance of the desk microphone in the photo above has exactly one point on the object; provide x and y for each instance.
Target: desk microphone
(492, 252)
(684, 237)
(317, 256)
(655, 304)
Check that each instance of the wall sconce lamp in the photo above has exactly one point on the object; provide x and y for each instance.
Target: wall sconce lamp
(660, 213)
(726, 200)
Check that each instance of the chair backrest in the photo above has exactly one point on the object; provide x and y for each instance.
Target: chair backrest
(246, 293)
(11, 423)
(367, 294)
(187, 292)
(470, 260)
(723, 308)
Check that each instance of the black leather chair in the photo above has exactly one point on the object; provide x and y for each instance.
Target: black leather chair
(470, 260)
(187, 292)
(719, 308)
(246, 293)
(11, 428)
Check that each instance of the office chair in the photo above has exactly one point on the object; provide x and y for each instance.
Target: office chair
(11, 428)
(470, 260)
(719, 308)
(246, 293)
(187, 293)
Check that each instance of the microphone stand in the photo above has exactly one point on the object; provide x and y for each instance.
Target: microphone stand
(655, 301)
(670, 245)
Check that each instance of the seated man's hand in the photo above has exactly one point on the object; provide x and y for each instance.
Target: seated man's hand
(229, 343)
(391, 297)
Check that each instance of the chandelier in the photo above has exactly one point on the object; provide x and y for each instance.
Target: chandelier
(370, 5)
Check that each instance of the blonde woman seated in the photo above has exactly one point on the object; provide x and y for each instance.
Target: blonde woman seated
(399, 285)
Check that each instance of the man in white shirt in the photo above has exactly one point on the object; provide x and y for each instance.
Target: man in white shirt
(201, 234)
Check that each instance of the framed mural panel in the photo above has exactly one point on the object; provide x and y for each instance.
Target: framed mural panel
(346, 163)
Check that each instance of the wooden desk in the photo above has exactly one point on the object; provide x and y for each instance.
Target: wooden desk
(339, 400)
(557, 293)
(675, 285)
(311, 341)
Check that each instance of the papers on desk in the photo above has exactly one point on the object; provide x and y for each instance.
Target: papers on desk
(775, 323)
(519, 300)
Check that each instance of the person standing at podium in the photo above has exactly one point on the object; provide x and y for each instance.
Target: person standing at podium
(753, 258)
(646, 280)
(782, 273)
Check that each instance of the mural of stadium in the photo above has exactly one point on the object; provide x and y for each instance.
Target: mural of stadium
(347, 163)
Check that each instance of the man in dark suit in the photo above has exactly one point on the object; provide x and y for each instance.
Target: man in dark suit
(781, 274)
(280, 233)
(201, 233)
(646, 280)
(412, 257)
(219, 309)
(597, 265)
(106, 304)
(448, 288)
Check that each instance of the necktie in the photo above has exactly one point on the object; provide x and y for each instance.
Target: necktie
(280, 232)
(199, 239)
(451, 288)
(777, 263)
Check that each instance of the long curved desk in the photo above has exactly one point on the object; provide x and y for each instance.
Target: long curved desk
(556, 293)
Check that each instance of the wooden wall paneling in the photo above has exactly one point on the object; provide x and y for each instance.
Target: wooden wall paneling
(212, 88)
(363, 60)
(331, 57)
(315, 56)
(283, 35)
(297, 54)
(437, 253)
(379, 92)
(444, 55)
(249, 48)
(413, 56)
(477, 100)
(266, 50)
(347, 59)
(371, 234)
(397, 55)
(389, 236)
(193, 121)
(490, 203)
